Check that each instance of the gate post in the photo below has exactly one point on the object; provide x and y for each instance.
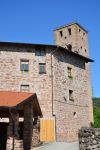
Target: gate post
(28, 126)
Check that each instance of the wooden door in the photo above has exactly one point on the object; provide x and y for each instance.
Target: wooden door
(47, 130)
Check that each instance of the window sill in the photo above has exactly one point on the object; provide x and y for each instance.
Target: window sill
(42, 72)
(24, 71)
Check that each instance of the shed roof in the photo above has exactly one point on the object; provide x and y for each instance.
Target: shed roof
(16, 100)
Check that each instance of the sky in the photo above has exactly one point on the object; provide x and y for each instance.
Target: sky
(33, 21)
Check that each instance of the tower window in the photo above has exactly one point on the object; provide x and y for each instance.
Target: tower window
(83, 33)
(85, 50)
(69, 31)
(69, 71)
(71, 95)
(61, 33)
(42, 68)
(79, 30)
(69, 46)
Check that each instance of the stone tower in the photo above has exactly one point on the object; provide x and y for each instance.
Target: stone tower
(73, 37)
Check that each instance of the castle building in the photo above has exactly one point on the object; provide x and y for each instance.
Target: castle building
(59, 75)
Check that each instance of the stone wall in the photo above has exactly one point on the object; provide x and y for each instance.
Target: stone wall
(70, 115)
(36, 133)
(11, 76)
(18, 144)
(78, 39)
(89, 139)
(75, 113)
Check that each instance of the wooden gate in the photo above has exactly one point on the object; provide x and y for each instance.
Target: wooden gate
(47, 130)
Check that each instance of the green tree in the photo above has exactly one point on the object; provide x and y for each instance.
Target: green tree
(96, 118)
(96, 111)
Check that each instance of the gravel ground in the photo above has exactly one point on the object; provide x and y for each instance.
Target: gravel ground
(59, 146)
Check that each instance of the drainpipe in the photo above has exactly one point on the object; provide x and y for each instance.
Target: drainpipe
(52, 52)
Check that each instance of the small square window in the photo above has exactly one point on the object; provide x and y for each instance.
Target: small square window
(42, 68)
(71, 95)
(25, 65)
(24, 88)
(40, 52)
(69, 71)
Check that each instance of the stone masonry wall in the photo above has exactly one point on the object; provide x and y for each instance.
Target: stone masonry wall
(11, 77)
(78, 39)
(70, 115)
(75, 113)
(89, 139)
(36, 133)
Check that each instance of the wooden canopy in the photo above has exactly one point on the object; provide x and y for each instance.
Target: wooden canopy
(17, 100)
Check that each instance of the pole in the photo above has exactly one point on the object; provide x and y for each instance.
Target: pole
(13, 129)
(52, 52)
(13, 134)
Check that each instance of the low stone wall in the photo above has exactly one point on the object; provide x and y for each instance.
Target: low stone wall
(18, 144)
(89, 139)
(36, 133)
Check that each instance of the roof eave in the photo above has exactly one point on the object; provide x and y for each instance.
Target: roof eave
(71, 25)
(78, 55)
(53, 46)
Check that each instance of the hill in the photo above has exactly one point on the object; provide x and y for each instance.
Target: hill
(96, 110)
(96, 102)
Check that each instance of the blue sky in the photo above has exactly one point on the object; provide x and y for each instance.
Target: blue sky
(33, 21)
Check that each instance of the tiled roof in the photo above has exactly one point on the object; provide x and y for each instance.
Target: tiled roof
(11, 99)
(17, 100)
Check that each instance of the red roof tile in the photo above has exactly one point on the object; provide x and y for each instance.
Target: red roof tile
(10, 99)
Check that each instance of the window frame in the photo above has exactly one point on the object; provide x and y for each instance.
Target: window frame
(69, 31)
(22, 61)
(71, 95)
(38, 52)
(44, 72)
(61, 33)
(24, 86)
(69, 71)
